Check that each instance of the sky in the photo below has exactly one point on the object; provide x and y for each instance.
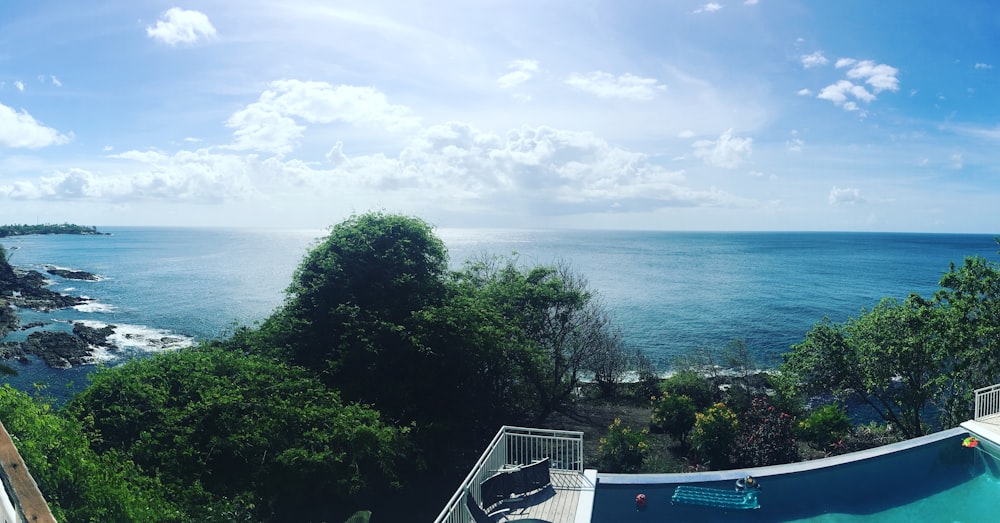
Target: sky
(596, 114)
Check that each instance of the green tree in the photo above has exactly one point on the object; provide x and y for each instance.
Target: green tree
(824, 427)
(891, 357)
(562, 325)
(692, 384)
(969, 300)
(233, 434)
(351, 310)
(673, 414)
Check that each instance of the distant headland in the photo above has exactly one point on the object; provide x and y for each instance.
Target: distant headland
(48, 228)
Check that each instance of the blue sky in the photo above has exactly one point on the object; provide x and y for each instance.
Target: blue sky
(679, 115)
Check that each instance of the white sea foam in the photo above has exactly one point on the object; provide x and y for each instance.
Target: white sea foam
(134, 338)
(94, 306)
(148, 339)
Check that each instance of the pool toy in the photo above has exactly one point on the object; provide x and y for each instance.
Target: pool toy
(640, 500)
(970, 442)
(718, 498)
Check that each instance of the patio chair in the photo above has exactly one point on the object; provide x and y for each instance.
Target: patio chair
(495, 490)
(478, 514)
(536, 476)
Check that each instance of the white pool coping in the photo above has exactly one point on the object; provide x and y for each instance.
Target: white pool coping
(790, 468)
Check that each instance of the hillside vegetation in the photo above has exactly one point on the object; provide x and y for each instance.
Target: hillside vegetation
(384, 373)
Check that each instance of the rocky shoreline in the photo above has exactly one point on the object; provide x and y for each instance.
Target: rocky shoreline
(27, 290)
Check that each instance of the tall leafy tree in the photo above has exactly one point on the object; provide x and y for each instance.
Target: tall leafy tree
(351, 310)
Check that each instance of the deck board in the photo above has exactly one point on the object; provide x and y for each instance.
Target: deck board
(557, 503)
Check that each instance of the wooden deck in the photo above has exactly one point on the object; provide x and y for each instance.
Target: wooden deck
(557, 503)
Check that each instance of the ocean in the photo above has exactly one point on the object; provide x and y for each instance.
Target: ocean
(670, 292)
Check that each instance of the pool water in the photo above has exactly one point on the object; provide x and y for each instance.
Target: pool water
(934, 480)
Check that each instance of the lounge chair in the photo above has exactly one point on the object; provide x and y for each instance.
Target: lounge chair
(478, 514)
(496, 489)
(536, 476)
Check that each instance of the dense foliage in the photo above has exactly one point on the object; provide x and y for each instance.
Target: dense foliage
(673, 414)
(915, 362)
(381, 361)
(79, 483)
(623, 449)
(825, 427)
(239, 436)
(714, 435)
(765, 436)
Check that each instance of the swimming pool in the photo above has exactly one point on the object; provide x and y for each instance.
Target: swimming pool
(928, 479)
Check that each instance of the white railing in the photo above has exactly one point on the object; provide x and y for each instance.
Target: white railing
(987, 402)
(516, 446)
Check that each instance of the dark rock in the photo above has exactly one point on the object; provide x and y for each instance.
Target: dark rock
(12, 350)
(94, 336)
(33, 324)
(71, 274)
(60, 350)
(8, 318)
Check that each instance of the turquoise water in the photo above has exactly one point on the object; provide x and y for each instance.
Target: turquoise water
(670, 292)
(933, 482)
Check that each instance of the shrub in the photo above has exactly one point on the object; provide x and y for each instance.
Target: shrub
(623, 449)
(714, 434)
(765, 437)
(674, 415)
(693, 385)
(824, 427)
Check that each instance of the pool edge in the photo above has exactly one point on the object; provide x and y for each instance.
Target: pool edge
(775, 470)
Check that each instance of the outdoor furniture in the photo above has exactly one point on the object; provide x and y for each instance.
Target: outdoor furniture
(536, 476)
(478, 514)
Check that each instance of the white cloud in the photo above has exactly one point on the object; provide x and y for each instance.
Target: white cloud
(838, 93)
(710, 7)
(727, 151)
(20, 129)
(803, 92)
(813, 60)
(750, 2)
(845, 196)
(520, 71)
(272, 122)
(794, 145)
(178, 25)
(983, 66)
(187, 176)
(55, 81)
(881, 77)
(452, 166)
(20, 85)
(607, 85)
